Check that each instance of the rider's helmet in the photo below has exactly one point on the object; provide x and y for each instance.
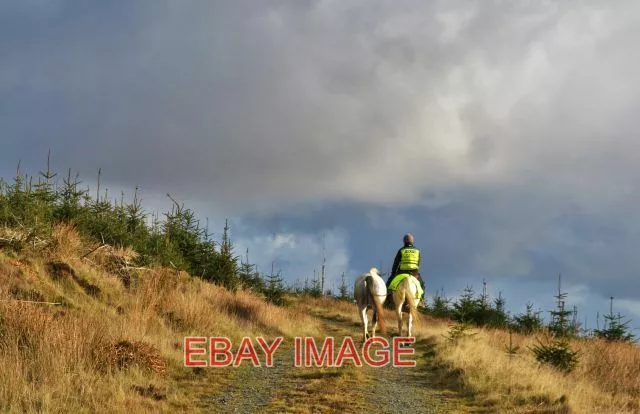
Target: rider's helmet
(408, 238)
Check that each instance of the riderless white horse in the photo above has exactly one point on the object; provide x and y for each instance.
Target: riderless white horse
(405, 297)
(370, 292)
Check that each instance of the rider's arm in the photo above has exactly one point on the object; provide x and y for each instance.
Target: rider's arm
(396, 263)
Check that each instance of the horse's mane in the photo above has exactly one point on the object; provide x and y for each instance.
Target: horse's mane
(374, 271)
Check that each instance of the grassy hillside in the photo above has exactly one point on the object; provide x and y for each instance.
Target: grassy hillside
(607, 379)
(81, 331)
(97, 345)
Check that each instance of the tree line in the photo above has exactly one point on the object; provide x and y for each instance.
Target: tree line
(36, 204)
(478, 310)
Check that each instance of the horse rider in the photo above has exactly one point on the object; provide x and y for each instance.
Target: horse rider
(407, 260)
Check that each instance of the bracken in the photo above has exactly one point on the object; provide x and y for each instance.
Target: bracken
(125, 354)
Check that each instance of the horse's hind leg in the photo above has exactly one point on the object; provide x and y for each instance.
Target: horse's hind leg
(374, 323)
(399, 316)
(410, 324)
(363, 318)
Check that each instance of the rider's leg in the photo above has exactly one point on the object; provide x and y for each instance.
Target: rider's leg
(389, 279)
(388, 300)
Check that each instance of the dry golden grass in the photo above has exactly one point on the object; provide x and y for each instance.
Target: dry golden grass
(325, 390)
(607, 379)
(46, 353)
(67, 243)
(109, 348)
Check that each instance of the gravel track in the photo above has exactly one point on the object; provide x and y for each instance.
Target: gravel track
(252, 387)
(387, 389)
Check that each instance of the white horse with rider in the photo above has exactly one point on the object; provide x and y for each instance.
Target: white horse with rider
(370, 292)
(406, 296)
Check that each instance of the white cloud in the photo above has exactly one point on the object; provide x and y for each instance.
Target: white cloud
(631, 306)
(298, 255)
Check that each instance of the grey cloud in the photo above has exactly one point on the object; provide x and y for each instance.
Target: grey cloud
(509, 127)
(301, 101)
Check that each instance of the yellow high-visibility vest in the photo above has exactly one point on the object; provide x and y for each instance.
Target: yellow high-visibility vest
(409, 258)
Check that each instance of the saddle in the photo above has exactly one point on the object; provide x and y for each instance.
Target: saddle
(399, 278)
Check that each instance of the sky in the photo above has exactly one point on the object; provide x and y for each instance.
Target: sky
(503, 135)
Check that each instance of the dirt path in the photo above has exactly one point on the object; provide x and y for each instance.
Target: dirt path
(251, 388)
(430, 387)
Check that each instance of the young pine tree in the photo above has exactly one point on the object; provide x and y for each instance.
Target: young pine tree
(226, 269)
(249, 277)
(69, 208)
(483, 313)
(528, 322)
(344, 290)
(560, 325)
(440, 306)
(466, 307)
(614, 329)
(315, 287)
(556, 353)
(499, 318)
(274, 290)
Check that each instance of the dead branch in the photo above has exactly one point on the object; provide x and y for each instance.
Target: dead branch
(100, 246)
(30, 301)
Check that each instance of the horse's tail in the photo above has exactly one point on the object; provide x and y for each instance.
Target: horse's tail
(408, 298)
(377, 303)
(413, 308)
